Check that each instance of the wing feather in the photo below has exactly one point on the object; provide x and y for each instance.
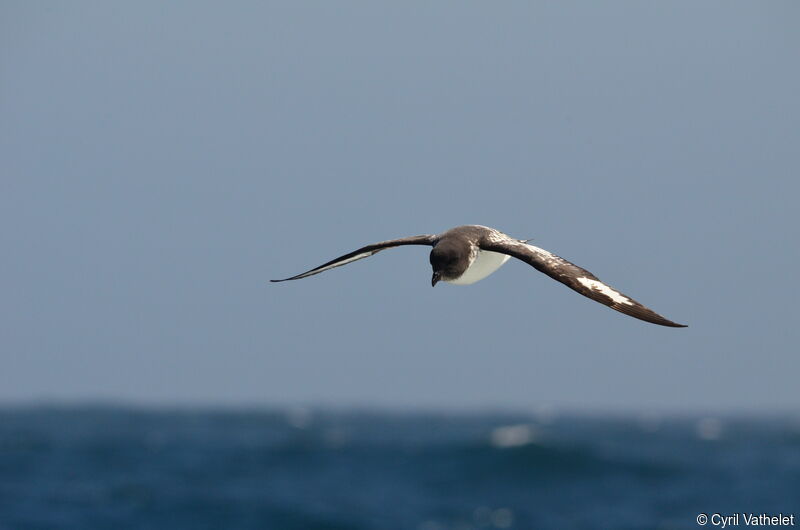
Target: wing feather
(576, 278)
(364, 252)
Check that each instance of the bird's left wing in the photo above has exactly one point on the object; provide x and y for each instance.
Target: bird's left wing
(365, 252)
(575, 278)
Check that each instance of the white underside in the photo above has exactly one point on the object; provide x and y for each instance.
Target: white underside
(484, 264)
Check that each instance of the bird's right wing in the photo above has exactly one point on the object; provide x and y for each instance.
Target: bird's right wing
(365, 252)
(575, 278)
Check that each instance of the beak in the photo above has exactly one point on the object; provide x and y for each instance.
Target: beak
(436, 276)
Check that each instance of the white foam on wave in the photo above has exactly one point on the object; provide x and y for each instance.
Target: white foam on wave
(512, 436)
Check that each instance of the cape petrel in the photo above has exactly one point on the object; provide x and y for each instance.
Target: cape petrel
(467, 254)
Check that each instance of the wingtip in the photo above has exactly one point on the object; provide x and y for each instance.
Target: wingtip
(288, 279)
(672, 324)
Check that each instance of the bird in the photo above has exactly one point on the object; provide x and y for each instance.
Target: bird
(466, 254)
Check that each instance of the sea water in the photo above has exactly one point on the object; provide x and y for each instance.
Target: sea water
(301, 469)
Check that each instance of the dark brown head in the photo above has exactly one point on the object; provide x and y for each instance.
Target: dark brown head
(449, 261)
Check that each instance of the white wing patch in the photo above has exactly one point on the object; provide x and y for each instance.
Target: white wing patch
(346, 261)
(544, 254)
(337, 264)
(595, 285)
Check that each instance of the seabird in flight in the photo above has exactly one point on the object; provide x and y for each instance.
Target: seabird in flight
(466, 254)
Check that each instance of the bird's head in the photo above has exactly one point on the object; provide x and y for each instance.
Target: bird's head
(449, 261)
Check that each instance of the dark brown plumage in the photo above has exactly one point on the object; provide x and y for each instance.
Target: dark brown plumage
(457, 253)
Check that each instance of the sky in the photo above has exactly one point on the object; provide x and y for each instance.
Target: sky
(160, 162)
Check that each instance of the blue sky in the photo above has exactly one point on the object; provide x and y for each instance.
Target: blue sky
(161, 162)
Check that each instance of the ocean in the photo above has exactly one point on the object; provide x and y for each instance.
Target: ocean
(305, 469)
